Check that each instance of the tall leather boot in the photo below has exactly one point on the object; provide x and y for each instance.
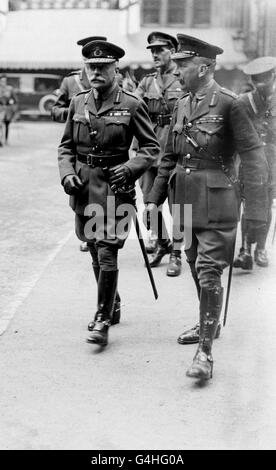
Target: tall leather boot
(174, 266)
(244, 259)
(107, 285)
(210, 309)
(191, 336)
(116, 314)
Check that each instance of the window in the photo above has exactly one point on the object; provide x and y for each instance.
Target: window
(45, 84)
(14, 82)
(150, 11)
(176, 11)
(187, 13)
(202, 10)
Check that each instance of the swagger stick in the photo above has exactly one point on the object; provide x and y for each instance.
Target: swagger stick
(229, 282)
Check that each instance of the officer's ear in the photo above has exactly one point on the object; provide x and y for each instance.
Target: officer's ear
(202, 70)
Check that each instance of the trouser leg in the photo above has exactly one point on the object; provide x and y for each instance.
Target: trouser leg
(7, 125)
(107, 287)
(116, 313)
(214, 253)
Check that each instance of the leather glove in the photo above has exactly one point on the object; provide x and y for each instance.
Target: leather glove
(119, 175)
(147, 214)
(72, 184)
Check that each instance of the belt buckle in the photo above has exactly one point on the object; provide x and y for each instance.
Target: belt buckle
(91, 160)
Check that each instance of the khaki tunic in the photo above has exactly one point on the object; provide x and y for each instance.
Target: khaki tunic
(121, 117)
(160, 92)
(70, 86)
(222, 127)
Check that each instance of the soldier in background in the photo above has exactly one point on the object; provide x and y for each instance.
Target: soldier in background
(8, 108)
(260, 105)
(75, 82)
(160, 90)
(209, 125)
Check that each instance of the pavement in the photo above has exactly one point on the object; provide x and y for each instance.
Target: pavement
(58, 392)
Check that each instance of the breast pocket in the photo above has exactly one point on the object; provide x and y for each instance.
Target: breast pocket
(80, 128)
(209, 132)
(223, 202)
(116, 128)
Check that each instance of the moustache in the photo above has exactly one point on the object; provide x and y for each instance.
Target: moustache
(95, 78)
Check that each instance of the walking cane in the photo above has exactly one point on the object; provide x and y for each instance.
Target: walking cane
(229, 282)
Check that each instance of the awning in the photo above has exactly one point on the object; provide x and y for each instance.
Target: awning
(39, 39)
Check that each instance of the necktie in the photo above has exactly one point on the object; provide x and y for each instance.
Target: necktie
(98, 101)
(193, 103)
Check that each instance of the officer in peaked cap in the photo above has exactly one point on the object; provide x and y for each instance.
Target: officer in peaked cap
(160, 39)
(260, 104)
(101, 52)
(74, 83)
(208, 126)
(260, 66)
(96, 171)
(160, 90)
(82, 42)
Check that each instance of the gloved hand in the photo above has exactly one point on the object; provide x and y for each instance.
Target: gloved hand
(147, 214)
(119, 175)
(72, 184)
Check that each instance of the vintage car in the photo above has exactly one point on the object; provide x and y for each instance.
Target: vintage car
(36, 92)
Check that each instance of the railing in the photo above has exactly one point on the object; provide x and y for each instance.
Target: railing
(62, 4)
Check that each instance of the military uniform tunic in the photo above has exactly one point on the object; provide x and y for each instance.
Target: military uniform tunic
(263, 115)
(160, 92)
(206, 178)
(221, 126)
(112, 128)
(70, 86)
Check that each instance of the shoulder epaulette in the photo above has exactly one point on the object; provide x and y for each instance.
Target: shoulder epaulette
(183, 96)
(82, 92)
(153, 74)
(74, 72)
(129, 93)
(225, 91)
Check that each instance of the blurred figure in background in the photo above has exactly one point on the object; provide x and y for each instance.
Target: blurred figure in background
(260, 105)
(8, 108)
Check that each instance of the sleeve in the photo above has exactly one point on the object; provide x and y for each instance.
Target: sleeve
(141, 89)
(159, 190)
(148, 146)
(253, 160)
(59, 110)
(66, 149)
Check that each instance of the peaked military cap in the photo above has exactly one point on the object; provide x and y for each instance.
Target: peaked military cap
(101, 52)
(157, 38)
(192, 47)
(260, 65)
(82, 42)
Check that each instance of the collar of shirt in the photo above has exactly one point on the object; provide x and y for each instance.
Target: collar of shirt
(104, 96)
(202, 92)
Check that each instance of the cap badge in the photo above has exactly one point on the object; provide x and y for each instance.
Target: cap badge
(98, 52)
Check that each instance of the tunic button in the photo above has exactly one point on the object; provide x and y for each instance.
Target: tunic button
(188, 171)
(189, 124)
(188, 155)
